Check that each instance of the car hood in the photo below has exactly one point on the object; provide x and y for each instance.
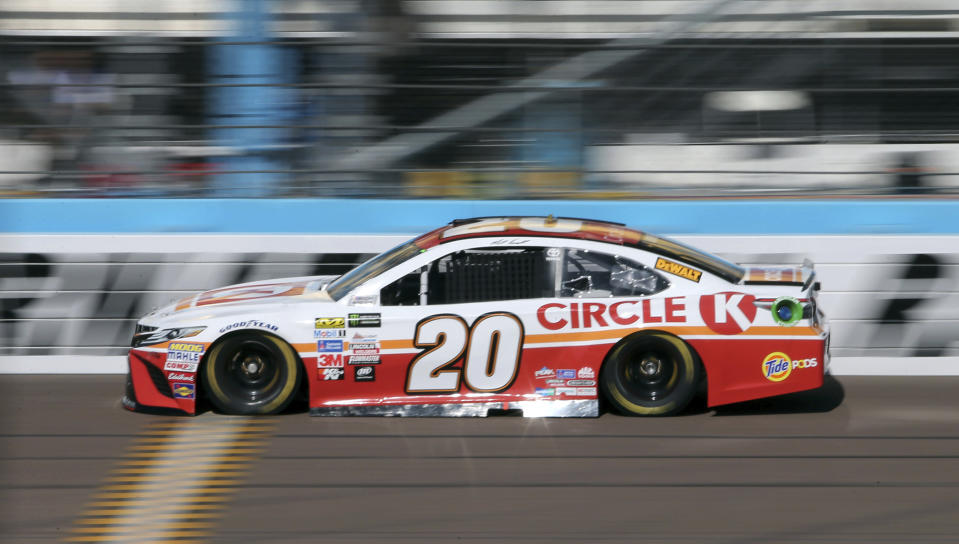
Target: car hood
(251, 294)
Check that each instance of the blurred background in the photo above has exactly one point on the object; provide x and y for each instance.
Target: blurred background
(478, 99)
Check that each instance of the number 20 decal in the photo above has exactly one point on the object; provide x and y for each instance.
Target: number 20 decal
(492, 348)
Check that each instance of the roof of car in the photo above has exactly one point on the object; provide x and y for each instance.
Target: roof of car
(582, 229)
(560, 227)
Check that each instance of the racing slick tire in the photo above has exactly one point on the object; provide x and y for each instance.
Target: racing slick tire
(650, 374)
(251, 373)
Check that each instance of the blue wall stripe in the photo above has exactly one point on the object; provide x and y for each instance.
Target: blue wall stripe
(414, 216)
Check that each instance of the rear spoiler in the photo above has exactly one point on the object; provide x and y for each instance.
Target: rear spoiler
(809, 274)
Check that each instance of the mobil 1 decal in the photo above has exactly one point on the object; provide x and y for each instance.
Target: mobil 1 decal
(728, 313)
(489, 351)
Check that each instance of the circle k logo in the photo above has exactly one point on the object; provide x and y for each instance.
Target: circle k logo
(728, 313)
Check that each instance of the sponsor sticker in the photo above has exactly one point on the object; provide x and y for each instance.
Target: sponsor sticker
(569, 391)
(332, 374)
(364, 320)
(555, 382)
(183, 390)
(251, 324)
(329, 360)
(181, 367)
(585, 391)
(586, 372)
(545, 391)
(357, 338)
(183, 356)
(364, 359)
(372, 351)
(329, 333)
(329, 346)
(777, 366)
(180, 377)
(581, 382)
(545, 373)
(566, 374)
(366, 300)
(329, 323)
(677, 269)
(364, 373)
(728, 313)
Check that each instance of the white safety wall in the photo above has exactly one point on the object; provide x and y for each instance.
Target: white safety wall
(69, 302)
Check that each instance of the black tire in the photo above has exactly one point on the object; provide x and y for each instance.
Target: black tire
(650, 374)
(251, 373)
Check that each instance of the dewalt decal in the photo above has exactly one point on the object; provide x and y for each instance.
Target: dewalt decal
(677, 269)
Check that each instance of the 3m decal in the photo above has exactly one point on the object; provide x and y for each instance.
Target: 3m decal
(584, 315)
(491, 350)
(184, 390)
(330, 323)
(677, 269)
(332, 374)
(329, 360)
(364, 373)
(728, 313)
(329, 346)
(364, 320)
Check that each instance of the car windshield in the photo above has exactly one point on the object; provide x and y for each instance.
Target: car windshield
(372, 268)
(681, 252)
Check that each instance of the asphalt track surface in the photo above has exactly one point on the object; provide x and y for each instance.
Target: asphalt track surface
(865, 459)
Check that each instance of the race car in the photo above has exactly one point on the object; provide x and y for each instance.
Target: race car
(539, 315)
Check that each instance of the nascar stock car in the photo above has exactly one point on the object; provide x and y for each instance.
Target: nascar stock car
(540, 315)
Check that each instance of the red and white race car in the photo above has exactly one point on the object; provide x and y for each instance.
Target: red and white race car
(535, 314)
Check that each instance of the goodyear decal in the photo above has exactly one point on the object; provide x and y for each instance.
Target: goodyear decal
(677, 269)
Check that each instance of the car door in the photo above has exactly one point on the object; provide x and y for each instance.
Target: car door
(466, 314)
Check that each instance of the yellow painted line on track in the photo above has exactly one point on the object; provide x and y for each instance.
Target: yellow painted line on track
(173, 485)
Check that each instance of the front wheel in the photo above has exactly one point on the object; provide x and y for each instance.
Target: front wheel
(650, 374)
(251, 373)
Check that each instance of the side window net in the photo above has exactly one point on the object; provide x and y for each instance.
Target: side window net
(489, 274)
(592, 274)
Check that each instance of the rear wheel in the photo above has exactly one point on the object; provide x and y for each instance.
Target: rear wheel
(650, 374)
(251, 373)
